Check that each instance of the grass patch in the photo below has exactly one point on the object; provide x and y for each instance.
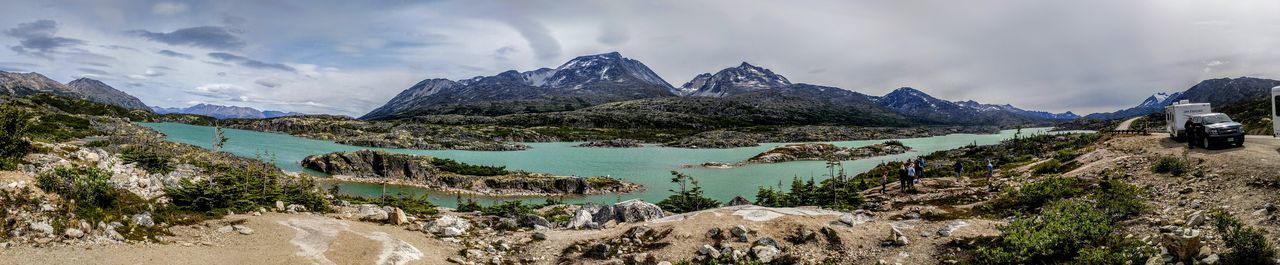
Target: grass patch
(450, 165)
(1171, 165)
(1067, 231)
(1034, 195)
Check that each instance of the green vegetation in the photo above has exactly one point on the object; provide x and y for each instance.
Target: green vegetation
(1051, 166)
(90, 197)
(1253, 113)
(245, 188)
(509, 209)
(1059, 148)
(1067, 231)
(687, 199)
(148, 159)
(1172, 165)
(97, 144)
(1248, 245)
(893, 142)
(1034, 195)
(829, 194)
(14, 125)
(450, 165)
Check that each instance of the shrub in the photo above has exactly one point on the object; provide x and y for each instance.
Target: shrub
(97, 144)
(14, 124)
(244, 189)
(1248, 245)
(450, 165)
(1036, 194)
(88, 186)
(469, 206)
(893, 142)
(147, 159)
(1049, 167)
(1172, 165)
(509, 209)
(829, 194)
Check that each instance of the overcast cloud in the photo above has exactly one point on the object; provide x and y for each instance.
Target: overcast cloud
(348, 57)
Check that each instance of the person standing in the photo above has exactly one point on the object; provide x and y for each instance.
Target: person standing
(902, 178)
(991, 172)
(884, 181)
(911, 177)
(920, 168)
(959, 169)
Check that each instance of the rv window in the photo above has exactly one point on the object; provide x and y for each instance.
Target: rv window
(1277, 100)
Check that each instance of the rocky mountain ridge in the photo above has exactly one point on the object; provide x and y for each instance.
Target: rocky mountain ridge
(225, 112)
(23, 84)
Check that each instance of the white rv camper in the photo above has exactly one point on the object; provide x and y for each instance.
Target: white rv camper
(1275, 111)
(1175, 116)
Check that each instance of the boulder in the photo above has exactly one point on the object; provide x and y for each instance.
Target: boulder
(41, 228)
(295, 208)
(449, 226)
(279, 206)
(897, 237)
(1183, 245)
(581, 220)
(398, 217)
(243, 230)
(73, 233)
(636, 210)
(599, 251)
(370, 212)
(533, 220)
(539, 236)
(738, 201)
(739, 233)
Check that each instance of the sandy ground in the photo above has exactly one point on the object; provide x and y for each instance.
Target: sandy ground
(275, 241)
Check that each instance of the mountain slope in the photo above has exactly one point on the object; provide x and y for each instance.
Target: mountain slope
(20, 84)
(1015, 110)
(581, 82)
(731, 81)
(923, 107)
(100, 92)
(1219, 93)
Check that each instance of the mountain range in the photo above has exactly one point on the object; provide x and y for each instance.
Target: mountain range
(23, 84)
(609, 88)
(1219, 93)
(225, 112)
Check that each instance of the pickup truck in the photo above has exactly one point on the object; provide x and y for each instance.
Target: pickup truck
(1213, 129)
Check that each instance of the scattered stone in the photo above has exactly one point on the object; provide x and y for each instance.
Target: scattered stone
(279, 206)
(1212, 259)
(951, 228)
(294, 208)
(43, 228)
(709, 251)
(599, 251)
(415, 226)
(765, 253)
(898, 238)
(373, 213)
(226, 229)
(636, 210)
(143, 219)
(73, 233)
(715, 233)
(533, 220)
(1183, 245)
(739, 233)
(243, 230)
(1196, 218)
(539, 236)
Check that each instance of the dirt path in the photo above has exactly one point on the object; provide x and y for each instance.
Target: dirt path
(277, 239)
(1126, 124)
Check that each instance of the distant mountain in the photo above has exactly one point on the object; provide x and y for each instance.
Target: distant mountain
(731, 81)
(581, 82)
(921, 106)
(1219, 93)
(19, 84)
(1011, 109)
(225, 112)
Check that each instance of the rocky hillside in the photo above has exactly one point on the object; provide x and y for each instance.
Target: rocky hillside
(583, 81)
(923, 107)
(19, 84)
(437, 173)
(732, 81)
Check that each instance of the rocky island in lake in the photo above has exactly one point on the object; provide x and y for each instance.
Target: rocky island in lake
(615, 143)
(447, 174)
(816, 151)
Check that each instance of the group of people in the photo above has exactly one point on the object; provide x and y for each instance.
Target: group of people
(914, 169)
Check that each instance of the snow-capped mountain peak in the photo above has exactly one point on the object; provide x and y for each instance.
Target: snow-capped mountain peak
(1157, 100)
(606, 67)
(743, 78)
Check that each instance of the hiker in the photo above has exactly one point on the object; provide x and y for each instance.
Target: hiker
(911, 177)
(991, 172)
(884, 181)
(920, 170)
(959, 169)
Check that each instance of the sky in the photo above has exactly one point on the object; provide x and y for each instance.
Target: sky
(349, 57)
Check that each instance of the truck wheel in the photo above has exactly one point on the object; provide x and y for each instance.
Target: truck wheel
(1206, 143)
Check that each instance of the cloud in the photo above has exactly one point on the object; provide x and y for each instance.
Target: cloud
(251, 63)
(152, 73)
(544, 45)
(38, 38)
(503, 54)
(269, 82)
(613, 34)
(169, 8)
(219, 91)
(93, 71)
(175, 54)
(211, 37)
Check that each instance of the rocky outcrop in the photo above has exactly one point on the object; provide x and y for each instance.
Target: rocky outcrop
(811, 151)
(377, 166)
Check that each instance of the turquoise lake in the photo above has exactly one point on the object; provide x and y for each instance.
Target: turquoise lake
(649, 166)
